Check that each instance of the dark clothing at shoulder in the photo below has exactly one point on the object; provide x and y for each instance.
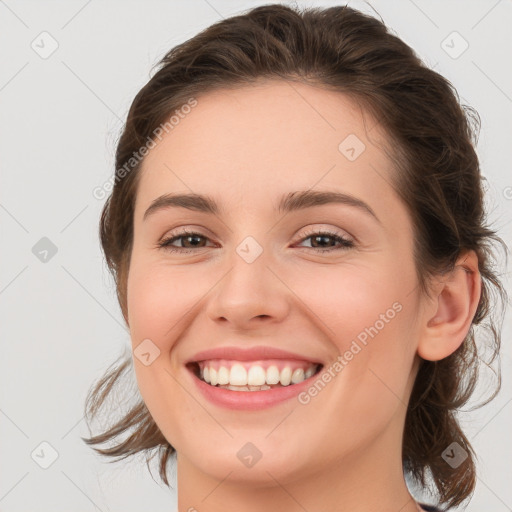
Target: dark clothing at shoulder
(430, 508)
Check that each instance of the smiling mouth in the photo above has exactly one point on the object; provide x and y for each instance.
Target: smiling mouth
(262, 375)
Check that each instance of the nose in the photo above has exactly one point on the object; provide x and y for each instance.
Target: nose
(249, 293)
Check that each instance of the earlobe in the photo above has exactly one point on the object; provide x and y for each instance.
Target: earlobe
(457, 300)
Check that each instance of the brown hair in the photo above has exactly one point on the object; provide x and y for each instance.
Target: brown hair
(437, 176)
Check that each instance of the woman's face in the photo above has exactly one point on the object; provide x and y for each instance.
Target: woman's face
(253, 276)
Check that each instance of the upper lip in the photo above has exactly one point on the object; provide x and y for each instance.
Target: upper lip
(249, 354)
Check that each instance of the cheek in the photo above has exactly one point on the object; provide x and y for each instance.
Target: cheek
(351, 302)
(157, 301)
(367, 315)
(157, 308)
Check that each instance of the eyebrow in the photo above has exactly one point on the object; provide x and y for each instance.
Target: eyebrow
(292, 201)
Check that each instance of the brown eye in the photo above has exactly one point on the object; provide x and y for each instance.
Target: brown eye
(320, 241)
(190, 240)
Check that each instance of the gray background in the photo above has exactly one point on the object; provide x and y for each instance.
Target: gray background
(60, 322)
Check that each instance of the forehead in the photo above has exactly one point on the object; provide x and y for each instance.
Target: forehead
(259, 141)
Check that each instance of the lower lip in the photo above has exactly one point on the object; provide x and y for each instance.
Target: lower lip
(250, 400)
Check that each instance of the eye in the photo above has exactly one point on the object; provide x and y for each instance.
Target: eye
(320, 237)
(192, 241)
(190, 237)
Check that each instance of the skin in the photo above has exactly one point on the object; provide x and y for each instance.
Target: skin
(246, 148)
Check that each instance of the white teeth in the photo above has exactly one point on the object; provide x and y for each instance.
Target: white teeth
(213, 376)
(236, 388)
(264, 387)
(272, 375)
(256, 376)
(286, 376)
(223, 376)
(256, 379)
(297, 376)
(238, 375)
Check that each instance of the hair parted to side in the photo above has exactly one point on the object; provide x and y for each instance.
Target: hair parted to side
(437, 176)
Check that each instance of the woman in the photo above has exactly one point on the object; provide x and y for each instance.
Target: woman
(301, 254)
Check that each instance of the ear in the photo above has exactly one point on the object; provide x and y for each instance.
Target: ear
(447, 322)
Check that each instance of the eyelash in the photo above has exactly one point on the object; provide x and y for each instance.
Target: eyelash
(166, 243)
